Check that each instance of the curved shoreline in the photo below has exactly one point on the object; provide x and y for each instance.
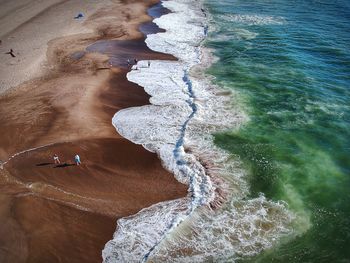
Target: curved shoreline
(199, 184)
(218, 187)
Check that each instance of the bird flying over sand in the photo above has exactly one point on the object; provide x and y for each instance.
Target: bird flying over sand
(11, 53)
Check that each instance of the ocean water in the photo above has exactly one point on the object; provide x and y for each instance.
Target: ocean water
(289, 64)
(254, 118)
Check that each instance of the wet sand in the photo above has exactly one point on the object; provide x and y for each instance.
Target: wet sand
(66, 213)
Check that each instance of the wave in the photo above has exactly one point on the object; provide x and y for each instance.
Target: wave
(234, 34)
(254, 19)
(217, 220)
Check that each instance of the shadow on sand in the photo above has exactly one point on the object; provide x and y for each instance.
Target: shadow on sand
(64, 165)
(43, 164)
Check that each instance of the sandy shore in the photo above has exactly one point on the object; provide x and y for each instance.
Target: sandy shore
(29, 27)
(64, 105)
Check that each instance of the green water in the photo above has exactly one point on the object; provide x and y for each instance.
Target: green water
(290, 64)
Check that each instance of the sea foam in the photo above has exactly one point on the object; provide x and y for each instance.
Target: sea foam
(216, 221)
(253, 19)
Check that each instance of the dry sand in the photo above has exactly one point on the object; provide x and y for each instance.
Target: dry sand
(64, 106)
(28, 26)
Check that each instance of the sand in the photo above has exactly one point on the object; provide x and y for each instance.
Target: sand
(28, 27)
(61, 100)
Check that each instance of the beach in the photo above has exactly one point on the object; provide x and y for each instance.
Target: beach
(205, 131)
(59, 97)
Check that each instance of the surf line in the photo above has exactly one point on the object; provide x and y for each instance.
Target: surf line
(197, 199)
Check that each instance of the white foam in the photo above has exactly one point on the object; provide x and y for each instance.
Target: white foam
(252, 19)
(186, 109)
(235, 34)
(137, 234)
(240, 229)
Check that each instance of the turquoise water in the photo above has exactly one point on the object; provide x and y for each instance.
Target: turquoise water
(289, 62)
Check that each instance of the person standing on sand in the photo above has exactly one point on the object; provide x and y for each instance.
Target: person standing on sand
(56, 159)
(77, 159)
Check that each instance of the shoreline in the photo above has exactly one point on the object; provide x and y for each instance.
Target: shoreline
(70, 109)
(170, 135)
(187, 108)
